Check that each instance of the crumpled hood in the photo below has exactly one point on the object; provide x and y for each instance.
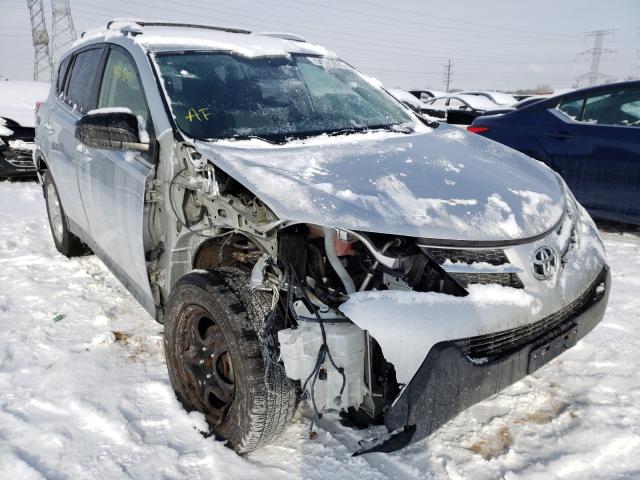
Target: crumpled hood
(443, 184)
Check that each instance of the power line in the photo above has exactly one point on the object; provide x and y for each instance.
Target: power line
(63, 30)
(596, 54)
(458, 21)
(42, 67)
(448, 75)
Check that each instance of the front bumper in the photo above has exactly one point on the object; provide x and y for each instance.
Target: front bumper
(16, 163)
(448, 381)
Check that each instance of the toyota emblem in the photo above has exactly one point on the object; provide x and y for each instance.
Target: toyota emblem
(545, 263)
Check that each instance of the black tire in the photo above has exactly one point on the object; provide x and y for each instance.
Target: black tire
(66, 242)
(263, 400)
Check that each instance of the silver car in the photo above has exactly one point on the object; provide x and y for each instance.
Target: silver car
(303, 236)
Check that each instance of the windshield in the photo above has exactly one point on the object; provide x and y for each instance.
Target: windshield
(217, 95)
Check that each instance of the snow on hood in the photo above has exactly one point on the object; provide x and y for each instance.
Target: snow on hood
(443, 184)
(18, 100)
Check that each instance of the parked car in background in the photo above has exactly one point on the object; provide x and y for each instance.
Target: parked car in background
(458, 108)
(425, 95)
(411, 102)
(499, 98)
(17, 121)
(407, 99)
(590, 136)
(521, 103)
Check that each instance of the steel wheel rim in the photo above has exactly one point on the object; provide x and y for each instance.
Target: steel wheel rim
(206, 363)
(55, 213)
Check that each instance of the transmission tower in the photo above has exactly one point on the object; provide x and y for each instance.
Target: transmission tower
(595, 54)
(42, 65)
(63, 31)
(448, 75)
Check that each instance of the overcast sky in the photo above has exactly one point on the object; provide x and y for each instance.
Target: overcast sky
(492, 44)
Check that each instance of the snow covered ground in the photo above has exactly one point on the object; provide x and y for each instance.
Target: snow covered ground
(84, 392)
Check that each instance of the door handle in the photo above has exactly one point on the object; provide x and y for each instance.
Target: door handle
(561, 135)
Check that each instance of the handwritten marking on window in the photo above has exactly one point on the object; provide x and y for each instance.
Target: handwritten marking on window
(200, 114)
(121, 72)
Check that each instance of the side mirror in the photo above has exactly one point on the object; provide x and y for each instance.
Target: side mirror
(111, 130)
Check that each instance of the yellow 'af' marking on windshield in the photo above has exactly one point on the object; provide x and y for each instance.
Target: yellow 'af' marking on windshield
(199, 114)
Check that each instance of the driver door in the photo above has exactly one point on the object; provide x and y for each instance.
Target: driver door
(112, 182)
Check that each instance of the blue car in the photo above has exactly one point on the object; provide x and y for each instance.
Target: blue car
(590, 136)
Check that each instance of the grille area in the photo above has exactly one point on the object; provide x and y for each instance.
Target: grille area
(495, 257)
(492, 257)
(500, 343)
(505, 279)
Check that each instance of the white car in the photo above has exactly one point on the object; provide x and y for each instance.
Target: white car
(303, 235)
(499, 98)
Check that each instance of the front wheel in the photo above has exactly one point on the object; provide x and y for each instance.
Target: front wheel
(213, 344)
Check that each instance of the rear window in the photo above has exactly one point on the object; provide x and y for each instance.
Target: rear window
(81, 91)
(615, 108)
(621, 108)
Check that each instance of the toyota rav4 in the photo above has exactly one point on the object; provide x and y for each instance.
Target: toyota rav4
(304, 236)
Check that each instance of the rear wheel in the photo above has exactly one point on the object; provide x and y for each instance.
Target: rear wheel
(214, 339)
(65, 241)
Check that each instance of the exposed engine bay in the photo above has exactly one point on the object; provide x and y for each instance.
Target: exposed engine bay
(310, 271)
(349, 361)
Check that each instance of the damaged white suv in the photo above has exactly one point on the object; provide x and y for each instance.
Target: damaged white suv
(302, 235)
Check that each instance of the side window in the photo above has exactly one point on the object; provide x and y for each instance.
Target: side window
(82, 84)
(456, 104)
(62, 74)
(621, 108)
(121, 86)
(440, 102)
(571, 107)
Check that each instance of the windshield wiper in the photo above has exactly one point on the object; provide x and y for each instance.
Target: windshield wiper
(251, 137)
(394, 127)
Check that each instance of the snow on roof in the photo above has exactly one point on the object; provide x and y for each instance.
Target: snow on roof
(498, 97)
(168, 38)
(477, 101)
(435, 93)
(18, 100)
(249, 45)
(405, 96)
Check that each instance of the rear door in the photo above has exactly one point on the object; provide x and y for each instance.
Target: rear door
(459, 112)
(593, 141)
(112, 182)
(78, 97)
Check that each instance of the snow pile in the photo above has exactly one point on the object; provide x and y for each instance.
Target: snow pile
(98, 111)
(430, 318)
(84, 391)
(22, 145)
(4, 131)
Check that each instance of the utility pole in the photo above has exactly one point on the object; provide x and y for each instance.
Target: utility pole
(63, 31)
(448, 74)
(42, 65)
(596, 54)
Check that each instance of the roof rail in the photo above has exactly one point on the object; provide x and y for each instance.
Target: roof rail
(143, 23)
(284, 35)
